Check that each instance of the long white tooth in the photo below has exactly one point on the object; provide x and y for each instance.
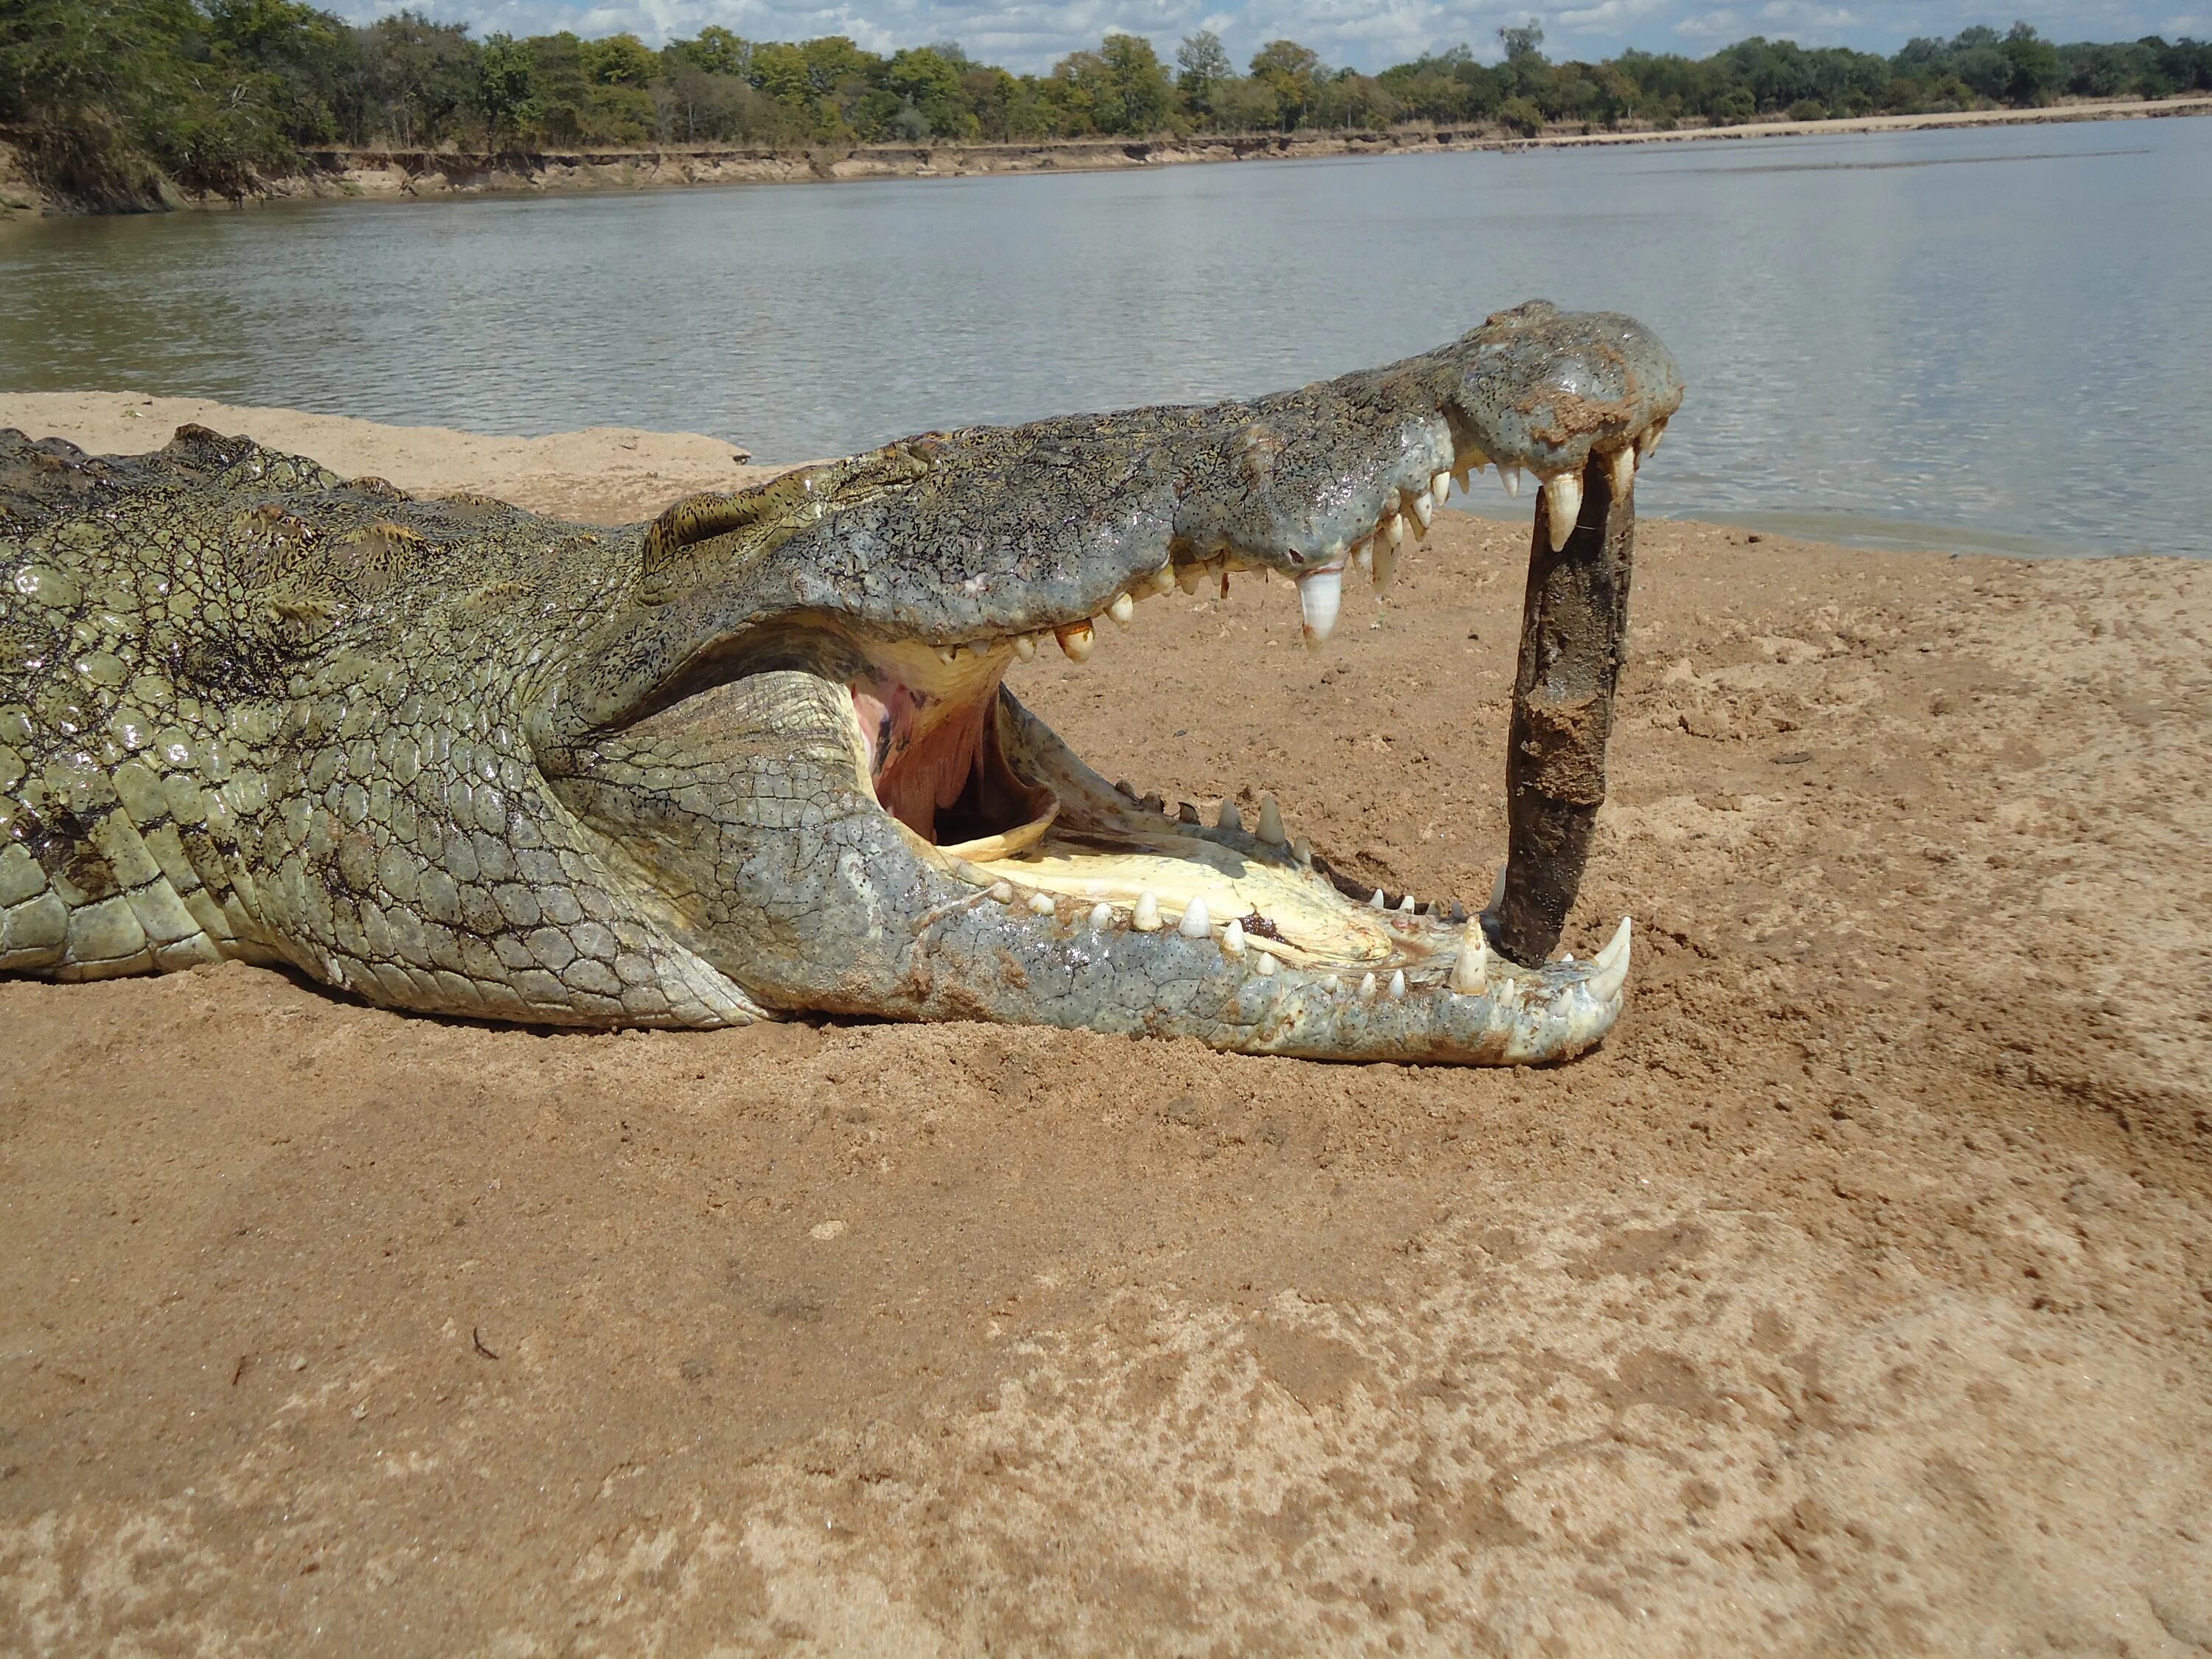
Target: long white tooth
(1510, 477)
(1470, 973)
(1102, 917)
(1229, 818)
(1332, 985)
(1302, 850)
(1386, 563)
(1271, 821)
(1424, 511)
(1188, 577)
(1122, 609)
(1652, 434)
(1041, 904)
(1363, 555)
(1440, 485)
(1262, 963)
(1163, 580)
(1025, 647)
(1196, 923)
(1611, 966)
(1367, 989)
(1562, 499)
(1376, 902)
(1319, 595)
(1079, 640)
(1398, 986)
(1623, 463)
(1406, 905)
(1145, 917)
(1393, 528)
(1497, 892)
(1233, 938)
(1003, 891)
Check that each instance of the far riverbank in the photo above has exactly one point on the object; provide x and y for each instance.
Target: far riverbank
(389, 175)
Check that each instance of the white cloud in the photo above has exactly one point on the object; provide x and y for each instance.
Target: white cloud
(1369, 34)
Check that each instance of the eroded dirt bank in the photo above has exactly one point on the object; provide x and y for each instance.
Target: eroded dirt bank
(1856, 1297)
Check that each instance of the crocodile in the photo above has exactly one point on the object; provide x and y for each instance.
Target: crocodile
(758, 758)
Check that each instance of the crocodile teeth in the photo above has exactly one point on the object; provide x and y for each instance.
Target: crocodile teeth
(1392, 529)
(1611, 965)
(1510, 477)
(1145, 917)
(1233, 938)
(1025, 647)
(1398, 986)
(1440, 485)
(1623, 463)
(1563, 496)
(1271, 821)
(1262, 963)
(1367, 989)
(1363, 555)
(1003, 891)
(1470, 975)
(1229, 818)
(1319, 595)
(1077, 640)
(1122, 609)
(1496, 891)
(1425, 512)
(1406, 905)
(1102, 917)
(1650, 440)
(1196, 923)
(1386, 563)
(1163, 580)
(1189, 577)
(1376, 902)
(1041, 904)
(948, 654)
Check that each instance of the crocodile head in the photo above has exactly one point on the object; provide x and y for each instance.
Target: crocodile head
(791, 726)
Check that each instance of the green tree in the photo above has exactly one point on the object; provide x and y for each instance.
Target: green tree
(505, 93)
(620, 60)
(714, 51)
(416, 76)
(1290, 71)
(1202, 62)
(1137, 83)
(2035, 68)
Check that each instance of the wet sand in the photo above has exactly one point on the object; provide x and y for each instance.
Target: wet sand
(1855, 1297)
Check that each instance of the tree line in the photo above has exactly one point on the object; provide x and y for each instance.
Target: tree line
(112, 101)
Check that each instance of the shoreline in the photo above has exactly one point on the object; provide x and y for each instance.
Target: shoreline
(392, 174)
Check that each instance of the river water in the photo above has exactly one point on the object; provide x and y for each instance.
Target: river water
(1998, 338)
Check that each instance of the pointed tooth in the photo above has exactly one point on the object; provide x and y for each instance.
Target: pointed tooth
(1233, 938)
(1376, 902)
(1563, 499)
(1145, 917)
(1332, 985)
(1386, 563)
(1196, 923)
(1623, 463)
(1189, 576)
(1398, 986)
(1320, 594)
(1122, 609)
(1041, 904)
(1302, 850)
(948, 654)
(1367, 989)
(1392, 529)
(1406, 905)
(1363, 555)
(1611, 966)
(1425, 512)
(1163, 580)
(1079, 640)
(1470, 973)
(1262, 963)
(1102, 917)
(1650, 440)
(1440, 485)
(1496, 893)
(1003, 891)
(1229, 818)
(1271, 821)
(1025, 647)
(1510, 477)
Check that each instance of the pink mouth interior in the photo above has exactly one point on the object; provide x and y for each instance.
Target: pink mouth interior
(925, 752)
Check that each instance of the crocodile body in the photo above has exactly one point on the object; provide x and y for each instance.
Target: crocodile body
(756, 759)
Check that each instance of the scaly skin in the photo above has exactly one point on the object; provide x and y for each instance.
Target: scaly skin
(454, 757)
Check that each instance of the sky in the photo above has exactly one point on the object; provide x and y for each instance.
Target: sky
(1365, 34)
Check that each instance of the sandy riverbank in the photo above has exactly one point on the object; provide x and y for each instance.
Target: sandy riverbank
(391, 173)
(1856, 1297)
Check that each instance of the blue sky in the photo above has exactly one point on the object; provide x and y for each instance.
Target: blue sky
(1368, 34)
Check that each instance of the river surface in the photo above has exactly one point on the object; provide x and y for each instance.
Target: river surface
(1997, 338)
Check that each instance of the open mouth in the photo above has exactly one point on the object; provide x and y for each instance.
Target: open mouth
(984, 789)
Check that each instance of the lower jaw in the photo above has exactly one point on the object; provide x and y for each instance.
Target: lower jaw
(1083, 844)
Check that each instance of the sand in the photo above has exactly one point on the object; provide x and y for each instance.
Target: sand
(1855, 1298)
